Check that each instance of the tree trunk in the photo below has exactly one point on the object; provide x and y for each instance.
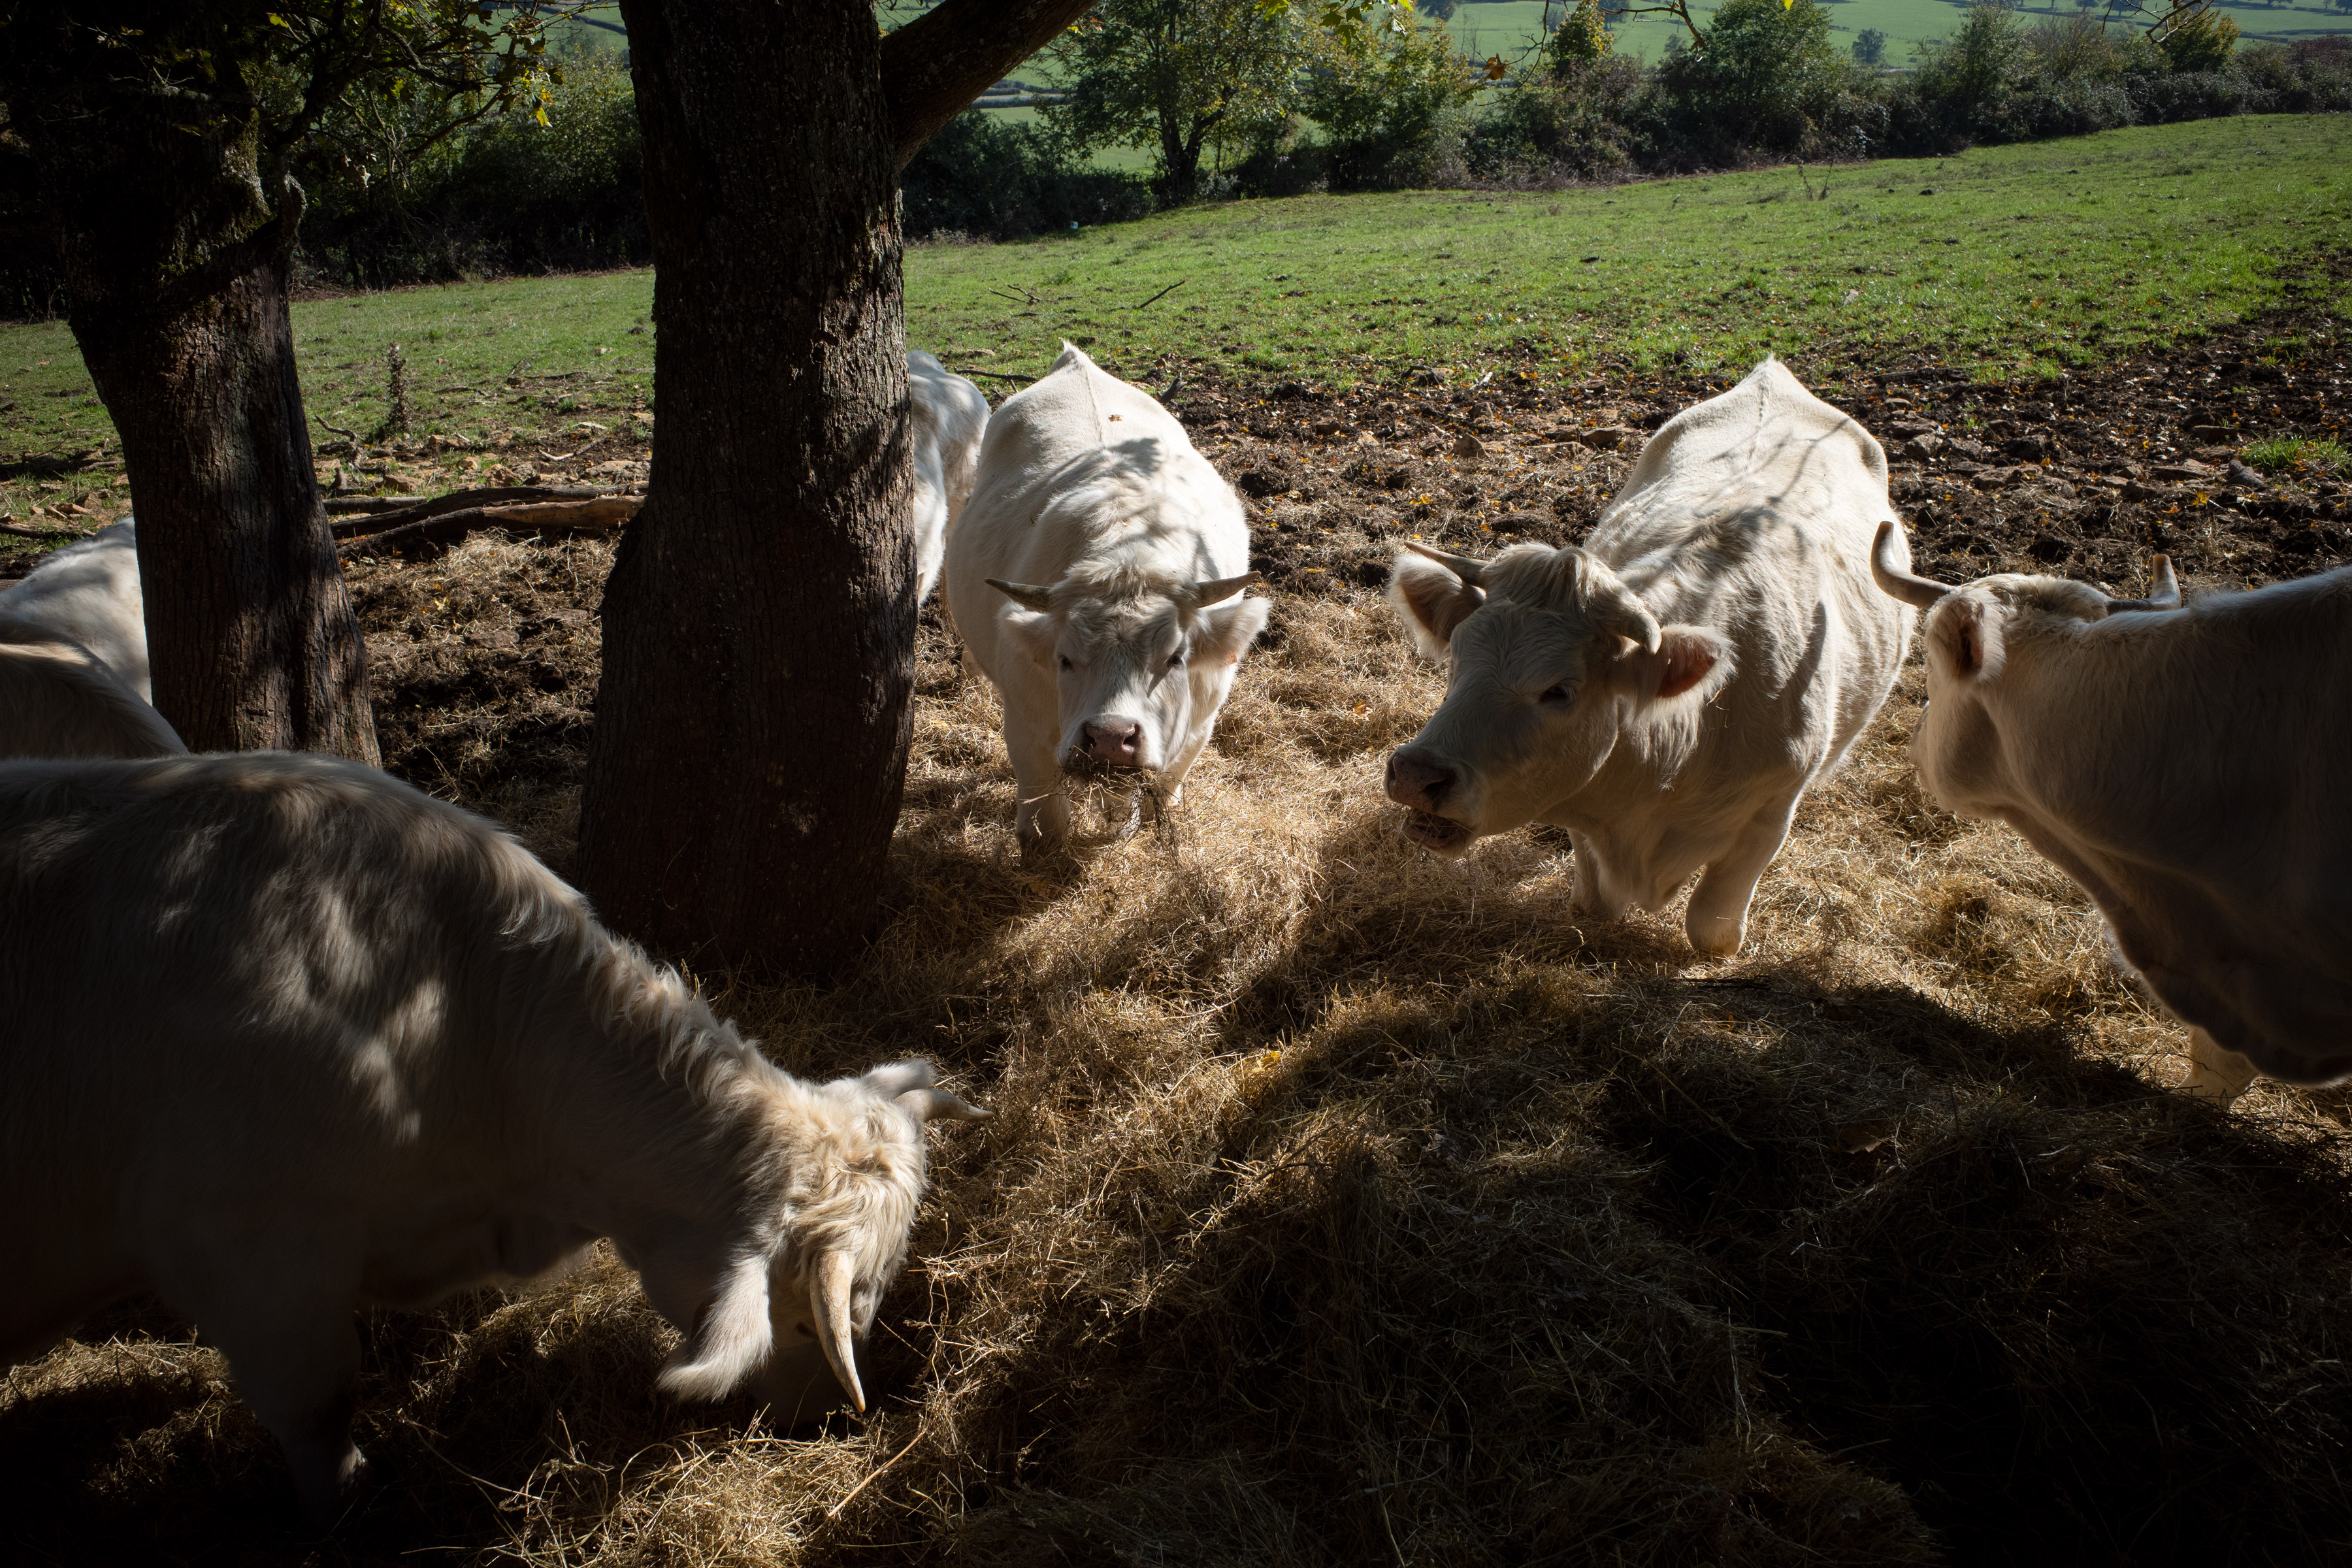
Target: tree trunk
(752, 722)
(251, 634)
(174, 242)
(1180, 158)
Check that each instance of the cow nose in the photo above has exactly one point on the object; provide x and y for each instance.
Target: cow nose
(1113, 740)
(1421, 784)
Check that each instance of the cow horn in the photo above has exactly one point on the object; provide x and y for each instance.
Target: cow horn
(931, 1104)
(829, 1300)
(1919, 591)
(2165, 598)
(1462, 566)
(1026, 594)
(1629, 618)
(1200, 593)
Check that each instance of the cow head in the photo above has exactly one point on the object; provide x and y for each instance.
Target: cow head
(1968, 633)
(1140, 664)
(840, 1166)
(1551, 658)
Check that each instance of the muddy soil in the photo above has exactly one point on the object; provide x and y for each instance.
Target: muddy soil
(2082, 477)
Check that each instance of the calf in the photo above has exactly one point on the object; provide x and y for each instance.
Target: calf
(1668, 692)
(945, 417)
(1096, 578)
(2185, 766)
(283, 1034)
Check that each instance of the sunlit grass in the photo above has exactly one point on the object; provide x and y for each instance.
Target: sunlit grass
(2022, 258)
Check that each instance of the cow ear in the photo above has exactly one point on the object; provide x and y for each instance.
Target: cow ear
(1232, 629)
(1965, 638)
(730, 1339)
(1432, 601)
(1689, 660)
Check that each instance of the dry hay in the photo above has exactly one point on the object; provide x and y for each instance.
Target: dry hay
(1346, 1204)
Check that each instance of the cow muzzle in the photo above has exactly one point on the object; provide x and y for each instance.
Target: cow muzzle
(1424, 786)
(1107, 742)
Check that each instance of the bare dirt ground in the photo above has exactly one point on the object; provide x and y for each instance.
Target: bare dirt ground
(1348, 1205)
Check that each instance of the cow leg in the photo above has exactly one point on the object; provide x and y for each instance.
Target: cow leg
(282, 1315)
(1584, 894)
(1717, 919)
(2215, 1070)
(1042, 817)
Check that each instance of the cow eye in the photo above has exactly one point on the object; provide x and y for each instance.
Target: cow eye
(1557, 693)
(1176, 660)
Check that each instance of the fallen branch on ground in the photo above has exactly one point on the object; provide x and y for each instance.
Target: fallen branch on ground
(601, 514)
(338, 506)
(416, 509)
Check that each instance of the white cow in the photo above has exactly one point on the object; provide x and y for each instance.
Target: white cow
(1667, 692)
(58, 700)
(89, 594)
(1096, 578)
(2188, 767)
(945, 417)
(283, 1034)
(73, 656)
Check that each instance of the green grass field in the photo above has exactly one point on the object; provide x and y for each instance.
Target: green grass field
(2023, 258)
(1510, 28)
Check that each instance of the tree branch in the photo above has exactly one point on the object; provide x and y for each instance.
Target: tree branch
(934, 67)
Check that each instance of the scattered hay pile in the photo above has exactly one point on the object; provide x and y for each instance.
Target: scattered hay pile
(1348, 1205)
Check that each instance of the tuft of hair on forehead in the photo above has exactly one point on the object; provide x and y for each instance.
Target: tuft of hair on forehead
(1542, 578)
(1104, 599)
(855, 1165)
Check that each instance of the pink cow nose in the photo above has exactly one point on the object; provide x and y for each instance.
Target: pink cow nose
(1113, 740)
(1421, 785)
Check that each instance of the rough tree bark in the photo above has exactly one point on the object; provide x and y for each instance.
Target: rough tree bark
(176, 247)
(751, 724)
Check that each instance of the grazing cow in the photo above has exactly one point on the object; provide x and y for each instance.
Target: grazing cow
(1667, 691)
(2187, 767)
(88, 593)
(945, 417)
(1096, 578)
(283, 1034)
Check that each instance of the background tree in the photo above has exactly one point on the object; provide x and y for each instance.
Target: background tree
(1393, 96)
(165, 141)
(752, 721)
(1870, 47)
(1759, 76)
(1173, 75)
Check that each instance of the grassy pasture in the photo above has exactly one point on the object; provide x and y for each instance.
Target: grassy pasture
(1509, 27)
(2024, 257)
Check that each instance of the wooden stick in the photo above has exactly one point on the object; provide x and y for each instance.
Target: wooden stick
(601, 515)
(416, 509)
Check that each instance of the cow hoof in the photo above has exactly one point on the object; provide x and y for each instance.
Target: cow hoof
(1717, 939)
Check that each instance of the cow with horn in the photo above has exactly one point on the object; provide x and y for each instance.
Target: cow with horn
(1096, 576)
(1668, 692)
(2185, 766)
